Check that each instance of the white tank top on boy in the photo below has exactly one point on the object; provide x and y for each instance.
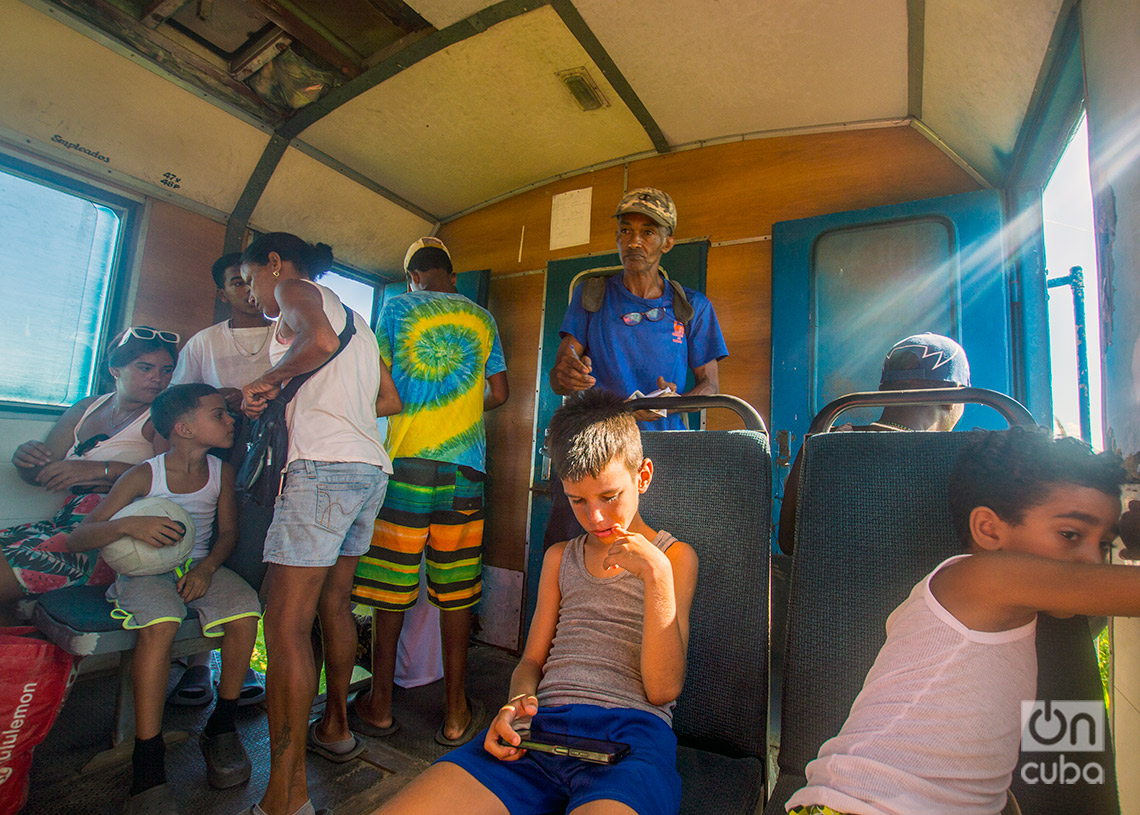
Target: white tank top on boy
(333, 416)
(959, 755)
(201, 505)
(224, 357)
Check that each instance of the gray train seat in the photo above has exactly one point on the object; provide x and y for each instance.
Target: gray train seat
(712, 490)
(872, 521)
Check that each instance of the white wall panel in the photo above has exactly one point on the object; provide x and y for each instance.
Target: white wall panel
(712, 69)
(59, 86)
(981, 62)
(319, 204)
(479, 119)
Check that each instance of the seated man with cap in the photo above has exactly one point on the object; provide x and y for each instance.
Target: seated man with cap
(921, 361)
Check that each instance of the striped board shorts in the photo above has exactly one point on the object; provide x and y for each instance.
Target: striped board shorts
(432, 511)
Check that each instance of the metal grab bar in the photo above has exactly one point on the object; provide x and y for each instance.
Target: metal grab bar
(1013, 411)
(752, 419)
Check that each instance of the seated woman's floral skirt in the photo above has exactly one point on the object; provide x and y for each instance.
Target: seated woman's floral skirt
(38, 554)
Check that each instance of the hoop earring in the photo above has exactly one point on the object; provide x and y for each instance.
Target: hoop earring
(277, 273)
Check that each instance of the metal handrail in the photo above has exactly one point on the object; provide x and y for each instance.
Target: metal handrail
(1013, 411)
(752, 419)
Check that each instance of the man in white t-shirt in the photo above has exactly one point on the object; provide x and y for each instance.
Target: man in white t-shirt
(226, 355)
(231, 353)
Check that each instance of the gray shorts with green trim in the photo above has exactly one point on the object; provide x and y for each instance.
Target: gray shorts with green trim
(143, 601)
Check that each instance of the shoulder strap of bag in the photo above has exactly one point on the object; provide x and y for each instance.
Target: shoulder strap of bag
(594, 293)
(290, 390)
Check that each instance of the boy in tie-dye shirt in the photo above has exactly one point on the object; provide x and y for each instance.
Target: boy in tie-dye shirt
(447, 362)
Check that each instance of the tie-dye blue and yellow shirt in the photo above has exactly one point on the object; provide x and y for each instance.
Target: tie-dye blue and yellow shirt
(441, 347)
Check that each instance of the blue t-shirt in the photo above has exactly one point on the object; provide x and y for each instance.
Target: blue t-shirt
(630, 357)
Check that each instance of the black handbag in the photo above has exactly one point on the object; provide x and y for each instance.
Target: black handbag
(261, 474)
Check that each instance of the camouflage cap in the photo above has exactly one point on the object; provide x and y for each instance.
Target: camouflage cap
(423, 243)
(652, 203)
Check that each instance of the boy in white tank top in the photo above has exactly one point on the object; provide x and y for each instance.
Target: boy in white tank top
(937, 725)
(194, 419)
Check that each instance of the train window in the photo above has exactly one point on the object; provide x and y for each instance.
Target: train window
(59, 251)
(357, 294)
(873, 282)
(1067, 211)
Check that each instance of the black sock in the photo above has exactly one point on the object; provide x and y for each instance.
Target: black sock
(222, 719)
(149, 761)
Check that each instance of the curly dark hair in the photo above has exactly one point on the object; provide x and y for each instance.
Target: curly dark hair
(1011, 471)
(589, 431)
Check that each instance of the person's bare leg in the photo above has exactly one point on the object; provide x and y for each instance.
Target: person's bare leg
(455, 629)
(375, 706)
(237, 647)
(10, 592)
(339, 635)
(290, 680)
(443, 789)
(150, 673)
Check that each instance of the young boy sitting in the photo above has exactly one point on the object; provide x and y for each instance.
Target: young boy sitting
(193, 419)
(937, 724)
(605, 658)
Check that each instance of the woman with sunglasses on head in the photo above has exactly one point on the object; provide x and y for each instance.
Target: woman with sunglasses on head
(335, 479)
(93, 443)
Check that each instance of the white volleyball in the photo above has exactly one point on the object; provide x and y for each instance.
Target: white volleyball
(133, 557)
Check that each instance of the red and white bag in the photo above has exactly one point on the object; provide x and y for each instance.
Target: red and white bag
(35, 676)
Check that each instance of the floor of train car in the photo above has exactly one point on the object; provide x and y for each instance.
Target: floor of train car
(356, 787)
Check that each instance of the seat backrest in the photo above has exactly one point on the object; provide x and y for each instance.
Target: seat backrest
(712, 490)
(873, 519)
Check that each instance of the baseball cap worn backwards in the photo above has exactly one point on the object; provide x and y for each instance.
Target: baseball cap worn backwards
(423, 243)
(652, 203)
(927, 357)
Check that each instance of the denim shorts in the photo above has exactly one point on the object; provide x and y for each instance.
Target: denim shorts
(325, 512)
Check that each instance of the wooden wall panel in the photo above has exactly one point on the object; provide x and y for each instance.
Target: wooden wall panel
(738, 190)
(175, 290)
(516, 303)
(725, 192)
(740, 286)
(490, 237)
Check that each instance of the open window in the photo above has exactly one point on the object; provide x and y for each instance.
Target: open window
(61, 248)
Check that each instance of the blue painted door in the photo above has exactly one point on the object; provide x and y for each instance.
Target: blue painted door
(847, 286)
(684, 263)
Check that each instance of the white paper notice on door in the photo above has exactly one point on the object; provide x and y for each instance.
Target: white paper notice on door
(570, 218)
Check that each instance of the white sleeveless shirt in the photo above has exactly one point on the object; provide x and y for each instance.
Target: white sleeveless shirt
(936, 728)
(333, 416)
(202, 505)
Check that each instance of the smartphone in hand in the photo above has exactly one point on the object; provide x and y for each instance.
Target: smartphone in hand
(596, 751)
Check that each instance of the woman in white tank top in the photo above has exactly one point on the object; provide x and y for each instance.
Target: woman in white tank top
(93, 443)
(335, 482)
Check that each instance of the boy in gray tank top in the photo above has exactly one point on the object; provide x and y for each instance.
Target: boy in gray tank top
(605, 657)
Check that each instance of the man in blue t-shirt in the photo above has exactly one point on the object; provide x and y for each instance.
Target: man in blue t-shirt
(643, 336)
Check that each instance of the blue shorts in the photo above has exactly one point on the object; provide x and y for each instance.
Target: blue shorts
(646, 780)
(326, 511)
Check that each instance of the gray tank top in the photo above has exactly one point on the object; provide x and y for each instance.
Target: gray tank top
(595, 658)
